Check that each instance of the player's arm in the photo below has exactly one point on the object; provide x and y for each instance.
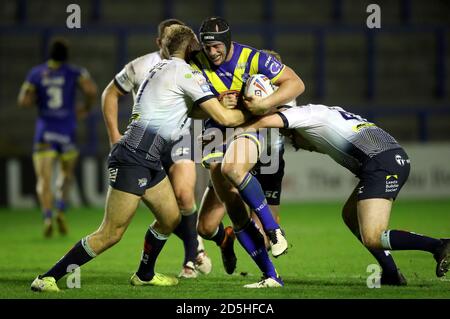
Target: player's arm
(89, 90)
(27, 95)
(198, 113)
(270, 121)
(110, 110)
(228, 101)
(122, 84)
(220, 114)
(290, 86)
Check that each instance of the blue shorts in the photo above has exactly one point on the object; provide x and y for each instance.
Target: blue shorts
(50, 141)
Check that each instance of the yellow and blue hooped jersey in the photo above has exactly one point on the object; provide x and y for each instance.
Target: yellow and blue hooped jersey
(231, 75)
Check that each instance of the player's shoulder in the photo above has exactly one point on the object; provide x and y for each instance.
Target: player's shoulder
(240, 46)
(74, 69)
(181, 65)
(38, 69)
(146, 61)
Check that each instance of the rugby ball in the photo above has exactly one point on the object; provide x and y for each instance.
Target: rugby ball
(258, 85)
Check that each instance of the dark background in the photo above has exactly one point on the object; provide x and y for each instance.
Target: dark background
(397, 76)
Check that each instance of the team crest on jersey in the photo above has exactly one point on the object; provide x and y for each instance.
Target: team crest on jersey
(275, 67)
(142, 182)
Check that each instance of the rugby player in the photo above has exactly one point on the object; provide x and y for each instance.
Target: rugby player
(271, 183)
(176, 161)
(227, 65)
(160, 115)
(382, 167)
(52, 87)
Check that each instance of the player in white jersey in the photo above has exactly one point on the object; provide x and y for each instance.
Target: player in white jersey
(382, 167)
(170, 90)
(180, 169)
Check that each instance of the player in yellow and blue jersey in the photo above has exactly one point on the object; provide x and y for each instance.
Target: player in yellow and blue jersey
(227, 65)
(52, 87)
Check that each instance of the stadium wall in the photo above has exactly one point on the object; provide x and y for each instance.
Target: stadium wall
(308, 177)
(313, 176)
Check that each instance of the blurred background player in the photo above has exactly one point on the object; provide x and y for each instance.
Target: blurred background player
(227, 65)
(177, 161)
(382, 167)
(52, 87)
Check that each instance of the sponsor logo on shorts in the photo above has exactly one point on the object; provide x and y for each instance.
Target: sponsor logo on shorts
(271, 194)
(142, 182)
(401, 161)
(181, 151)
(391, 183)
(113, 174)
(360, 189)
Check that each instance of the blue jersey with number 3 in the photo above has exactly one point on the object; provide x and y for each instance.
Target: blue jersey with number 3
(56, 93)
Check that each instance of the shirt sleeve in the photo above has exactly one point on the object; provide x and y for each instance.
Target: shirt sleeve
(32, 80)
(263, 63)
(125, 79)
(84, 73)
(194, 84)
(296, 117)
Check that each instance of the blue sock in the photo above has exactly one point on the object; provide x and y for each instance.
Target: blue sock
(253, 195)
(47, 214)
(80, 254)
(404, 240)
(253, 242)
(187, 231)
(153, 245)
(61, 205)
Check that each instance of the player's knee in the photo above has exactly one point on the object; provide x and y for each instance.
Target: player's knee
(232, 172)
(185, 199)
(205, 229)
(43, 185)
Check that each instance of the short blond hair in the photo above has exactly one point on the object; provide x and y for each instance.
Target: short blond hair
(177, 38)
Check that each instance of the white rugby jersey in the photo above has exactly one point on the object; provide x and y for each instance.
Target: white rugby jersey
(346, 137)
(134, 73)
(162, 103)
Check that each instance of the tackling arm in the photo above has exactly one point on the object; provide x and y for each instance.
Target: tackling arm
(269, 121)
(289, 87)
(110, 110)
(223, 116)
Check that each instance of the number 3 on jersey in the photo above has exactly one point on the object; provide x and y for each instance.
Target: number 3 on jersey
(55, 98)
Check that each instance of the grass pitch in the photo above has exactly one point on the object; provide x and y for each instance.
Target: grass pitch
(325, 260)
